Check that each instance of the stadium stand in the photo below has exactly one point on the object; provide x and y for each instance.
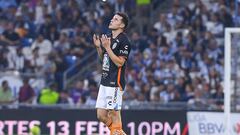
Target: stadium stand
(177, 53)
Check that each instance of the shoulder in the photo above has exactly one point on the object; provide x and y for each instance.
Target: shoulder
(124, 38)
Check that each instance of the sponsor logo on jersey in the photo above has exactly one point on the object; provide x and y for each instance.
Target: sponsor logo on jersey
(123, 51)
(126, 47)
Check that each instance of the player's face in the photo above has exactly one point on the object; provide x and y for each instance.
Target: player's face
(116, 23)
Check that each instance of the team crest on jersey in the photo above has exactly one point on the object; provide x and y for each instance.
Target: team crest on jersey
(114, 46)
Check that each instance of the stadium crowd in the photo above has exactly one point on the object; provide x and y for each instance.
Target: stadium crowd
(177, 58)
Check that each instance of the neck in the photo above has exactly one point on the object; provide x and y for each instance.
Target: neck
(115, 33)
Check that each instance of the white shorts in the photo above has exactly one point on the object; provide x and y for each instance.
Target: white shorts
(109, 98)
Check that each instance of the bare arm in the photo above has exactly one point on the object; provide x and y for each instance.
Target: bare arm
(97, 43)
(117, 60)
(100, 52)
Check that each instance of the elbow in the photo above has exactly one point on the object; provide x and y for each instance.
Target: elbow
(119, 64)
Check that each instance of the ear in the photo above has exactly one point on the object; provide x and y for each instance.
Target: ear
(122, 25)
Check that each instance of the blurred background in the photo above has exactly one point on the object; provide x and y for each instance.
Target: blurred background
(48, 60)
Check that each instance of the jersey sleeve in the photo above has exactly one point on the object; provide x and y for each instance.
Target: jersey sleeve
(124, 49)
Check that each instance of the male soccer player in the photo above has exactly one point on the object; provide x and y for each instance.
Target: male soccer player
(113, 51)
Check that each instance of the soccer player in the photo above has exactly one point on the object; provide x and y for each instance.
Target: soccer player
(113, 51)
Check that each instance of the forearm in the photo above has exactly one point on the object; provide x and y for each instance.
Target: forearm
(116, 60)
(100, 52)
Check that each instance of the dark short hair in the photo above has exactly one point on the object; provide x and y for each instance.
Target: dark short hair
(124, 18)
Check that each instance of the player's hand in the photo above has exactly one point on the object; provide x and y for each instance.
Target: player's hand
(96, 41)
(106, 41)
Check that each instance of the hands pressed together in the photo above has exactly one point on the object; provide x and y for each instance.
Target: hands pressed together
(106, 41)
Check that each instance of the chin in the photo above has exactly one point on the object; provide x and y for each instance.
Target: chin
(112, 28)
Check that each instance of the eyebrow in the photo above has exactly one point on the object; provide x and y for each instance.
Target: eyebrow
(115, 18)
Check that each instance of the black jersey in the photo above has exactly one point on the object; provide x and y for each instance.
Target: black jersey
(112, 75)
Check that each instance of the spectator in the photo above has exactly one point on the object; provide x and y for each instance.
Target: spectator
(189, 93)
(18, 60)
(49, 69)
(226, 17)
(139, 44)
(6, 95)
(26, 92)
(44, 45)
(170, 94)
(91, 99)
(78, 92)
(218, 97)
(197, 100)
(36, 61)
(64, 98)
(161, 24)
(9, 36)
(4, 59)
(49, 96)
(214, 25)
(62, 44)
(53, 33)
(39, 12)
(130, 94)
(78, 46)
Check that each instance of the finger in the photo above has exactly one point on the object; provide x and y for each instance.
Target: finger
(103, 36)
(96, 37)
(101, 39)
(109, 39)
